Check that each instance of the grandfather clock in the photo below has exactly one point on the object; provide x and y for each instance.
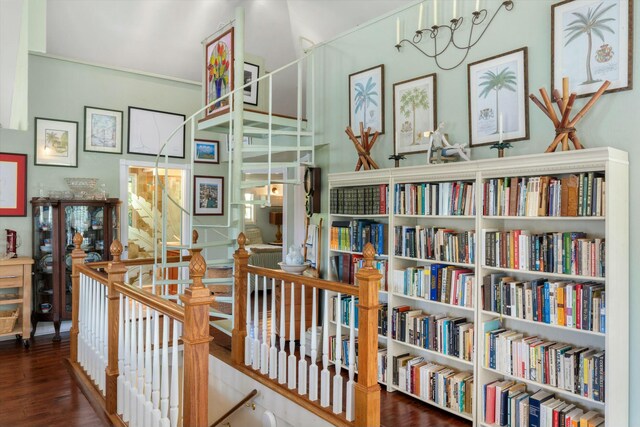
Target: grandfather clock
(312, 190)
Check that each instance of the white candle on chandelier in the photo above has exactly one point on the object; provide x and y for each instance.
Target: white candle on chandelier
(397, 30)
(435, 12)
(477, 5)
(455, 15)
(420, 13)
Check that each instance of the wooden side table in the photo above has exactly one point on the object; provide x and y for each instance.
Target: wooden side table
(15, 290)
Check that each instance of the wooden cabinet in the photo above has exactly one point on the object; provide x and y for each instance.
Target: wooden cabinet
(55, 222)
(15, 292)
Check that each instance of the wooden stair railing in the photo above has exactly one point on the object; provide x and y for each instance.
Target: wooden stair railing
(253, 347)
(235, 407)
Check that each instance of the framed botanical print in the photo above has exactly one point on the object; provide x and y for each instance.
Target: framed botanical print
(414, 113)
(102, 130)
(149, 130)
(592, 41)
(366, 100)
(498, 107)
(56, 143)
(13, 182)
(219, 72)
(251, 72)
(207, 151)
(208, 194)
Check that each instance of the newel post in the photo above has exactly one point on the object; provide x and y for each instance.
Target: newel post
(196, 338)
(116, 271)
(239, 332)
(367, 389)
(77, 256)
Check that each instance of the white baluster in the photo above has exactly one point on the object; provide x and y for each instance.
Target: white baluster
(174, 396)
(140, 373)
(93, 363)
(127, 361)
(337, 378)
(351, 357)
(282, 354)
(105, 340)
(256, 324)
(164, 384)
(148, 406)
(324, 375)
(264, 348)
(248, 342)
(121, 344)
(133, 370)
(302, 364)
(292, 341)
(81, 320)
(313, 369)
(99, 340)
(273, 352)
(155, 386)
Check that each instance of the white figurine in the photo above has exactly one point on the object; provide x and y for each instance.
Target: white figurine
(437, 141)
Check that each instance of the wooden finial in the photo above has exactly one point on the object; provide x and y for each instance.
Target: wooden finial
(194, 236)
(116, 250)
(242, 240)
(368, 253)
(197, 268)
(77, 240)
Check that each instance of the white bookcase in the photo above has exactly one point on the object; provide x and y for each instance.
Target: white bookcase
(612, 226)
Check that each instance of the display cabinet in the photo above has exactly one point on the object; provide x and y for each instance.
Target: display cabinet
(55, 222)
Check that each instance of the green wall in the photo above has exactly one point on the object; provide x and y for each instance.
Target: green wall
(614, 121)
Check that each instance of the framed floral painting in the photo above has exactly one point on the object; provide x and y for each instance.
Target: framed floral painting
(219, 72)
(366, 100)
(414, 113)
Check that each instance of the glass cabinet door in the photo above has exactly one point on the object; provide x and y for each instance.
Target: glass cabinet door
(43, 250)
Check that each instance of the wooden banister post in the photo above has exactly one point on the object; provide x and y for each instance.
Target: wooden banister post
(239, 332)
(77, 257)
(367, 389)
(116, 271)
(196, 338)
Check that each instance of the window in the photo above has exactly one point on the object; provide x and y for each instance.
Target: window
(249, 210)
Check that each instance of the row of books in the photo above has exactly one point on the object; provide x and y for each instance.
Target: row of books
(345, 355)
(435, 383)
(363, 200)
(571, 195)
(382, 365)
(441, 198)
(453, 336)
(341, 308)
(435, 243)
(570, 304)
(508, 403)
(565, 253)
(579, 370)
(354, 235)
(345, 266)
(436, 282)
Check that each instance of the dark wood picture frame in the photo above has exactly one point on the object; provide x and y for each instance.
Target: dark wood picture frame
(254, 87)
(356, 126)
(20, 208)
(36, 155)
(152, 153)
(214, 142)
(118, 150)
(196, 195)
(212, 112)
(433, 107)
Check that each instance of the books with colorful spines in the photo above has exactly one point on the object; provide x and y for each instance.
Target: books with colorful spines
(395, 330)
(535, 401)
(596, 421)
(562, 415)
(572, 419)
(502, 400)
(490, 402)
(585, 418)
(395, 365)
(546, 411)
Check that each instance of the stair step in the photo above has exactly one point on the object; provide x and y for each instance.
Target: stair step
(219, 314)
(274, 148)
(225, 325)
(225, 299)
(264, 165)
(262, 183)
(261, 131)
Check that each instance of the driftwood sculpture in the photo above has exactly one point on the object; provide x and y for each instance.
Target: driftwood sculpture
(565, 127)
(363, 147)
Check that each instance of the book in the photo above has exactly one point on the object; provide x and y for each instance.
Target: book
(535, 401)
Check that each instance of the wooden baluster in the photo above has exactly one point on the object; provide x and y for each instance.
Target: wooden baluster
(174, 396)
(121, 350)
(302, 363)
(148, 406)
(133, 369)
(140, 364)
(77, 258)
(313, 369)
(324, 375)
(367, 390)
(264, 348)
(292, 341)
(126, 398)
(239, 342)
(282, 354)
(256, 325)
(248, 342)
(337, 377)
(164, 384)
(273, 352)
(197, 300)
(155, 386)
(351, 356)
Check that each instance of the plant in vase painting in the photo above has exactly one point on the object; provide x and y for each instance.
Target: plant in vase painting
(495, 82)
(412, 100)
(365, 95)
(218, 70)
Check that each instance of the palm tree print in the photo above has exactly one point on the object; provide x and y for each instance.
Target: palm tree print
(593, 22)
(364, 96)
(412, 100)
(490, 81)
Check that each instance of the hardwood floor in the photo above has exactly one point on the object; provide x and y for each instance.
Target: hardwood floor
(36, 388)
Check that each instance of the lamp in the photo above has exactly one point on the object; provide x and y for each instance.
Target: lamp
(275, 218)
(478, 16)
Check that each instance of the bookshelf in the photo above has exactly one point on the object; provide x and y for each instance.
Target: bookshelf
(603, 216)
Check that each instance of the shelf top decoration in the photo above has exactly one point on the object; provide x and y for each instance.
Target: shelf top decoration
(446, 34)
(363, 147)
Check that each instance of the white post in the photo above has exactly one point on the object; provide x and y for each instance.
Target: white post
(148, 375)
(292, 341)
(173, 398)
(302, 364)
(133, 410)
(164, 381)
(313, 369)
(351, 357)
(140, 383)
(324, 375)
(248, 343)
(256, 324)
(120, 386)
(337, 378)
(264, 348)
(282, 354)
(155, 386)
(273, 352)
(126, 409)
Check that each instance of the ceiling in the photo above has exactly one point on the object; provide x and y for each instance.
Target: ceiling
(164, 36)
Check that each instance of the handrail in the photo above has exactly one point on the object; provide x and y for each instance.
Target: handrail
(304, 280)
(139, 261)
(154, 302)
(99, 276)
(235, 407)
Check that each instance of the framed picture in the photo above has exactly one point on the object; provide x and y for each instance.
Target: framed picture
(498, 89)
(366, 99)
(102, 130)
(208, 195)
(592, 41)
(56, 143)
(150, 129)
(207, 151)
(251, 72)
(13, 182)
(414, 113)
(219, 72)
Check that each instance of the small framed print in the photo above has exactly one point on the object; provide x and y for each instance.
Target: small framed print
(414, 113)
(56, 143)
(251, 72)
(149, 130)
(13, 183)
(208, 195)
(207, 151)
(366, 100)
(102, 130)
